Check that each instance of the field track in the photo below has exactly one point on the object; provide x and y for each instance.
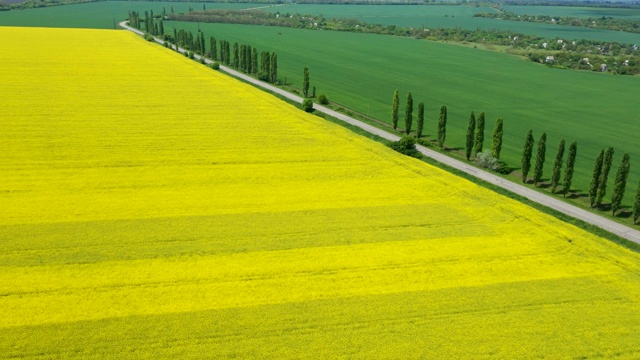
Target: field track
(548, 201)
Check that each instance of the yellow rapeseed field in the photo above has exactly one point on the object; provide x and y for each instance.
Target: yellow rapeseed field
(153, 208)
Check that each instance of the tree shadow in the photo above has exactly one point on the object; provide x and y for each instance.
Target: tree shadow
(544, 184)
(623, 214)
(575, 194)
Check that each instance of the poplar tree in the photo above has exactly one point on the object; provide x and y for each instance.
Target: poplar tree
(568, 172)
(540, 158)
(604, 176)
(442, 126)
(394, 109)
(202, 44)
(265, 63)
(221, 55)
(526, 155)
(249, 60)
(471, 128)
(496, 146)
(408, 115)
(305, 82)
(479, 140)
(175, 37)
(254, 61)
(597, 170)
(636, 207)
(420, 123)
(557, 166)
(274, 67)
(213, 48)
(236, 58)
(620, 184)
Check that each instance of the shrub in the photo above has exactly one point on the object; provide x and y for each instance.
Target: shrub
(323, 99)
(486, 160)
(307, 105)
(148, 37)
(215, 65)
(406, 146)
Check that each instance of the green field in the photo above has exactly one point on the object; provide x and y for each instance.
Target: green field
(361, 71)
(98, 15)
(575, 11)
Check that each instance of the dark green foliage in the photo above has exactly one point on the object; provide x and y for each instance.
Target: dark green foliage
(215, 65)
(307, 105)
(305, 82)
(420, 124)
(636, 207)
(527, 152)
(568, 172)
(254, 61)
(442, 126)
(408, 115)
(274, 68)
(597, 170)
(213, 48)
(479, 140)
(394, 109)
(471, 128)
(604, 175)
(265, 63)
(323, 99)
(406, 145)
(134, 19)
(540, 158)
(620, 183)
(236, 56)
(202, 47)
(557, 166)
(496, 146)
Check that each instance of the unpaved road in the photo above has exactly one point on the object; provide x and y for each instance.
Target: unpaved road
(548, 201)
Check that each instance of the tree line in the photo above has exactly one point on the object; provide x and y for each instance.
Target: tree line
(562, 172)
(242, 57)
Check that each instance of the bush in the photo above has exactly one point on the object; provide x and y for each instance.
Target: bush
(148, 37)
(191, 55)
(323, 99)
(406, 145)
(307, 105)
(215, 65)
(486, 160)
(262, 76)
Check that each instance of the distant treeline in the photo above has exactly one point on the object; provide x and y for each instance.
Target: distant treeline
(603, 22)
(600, 4)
